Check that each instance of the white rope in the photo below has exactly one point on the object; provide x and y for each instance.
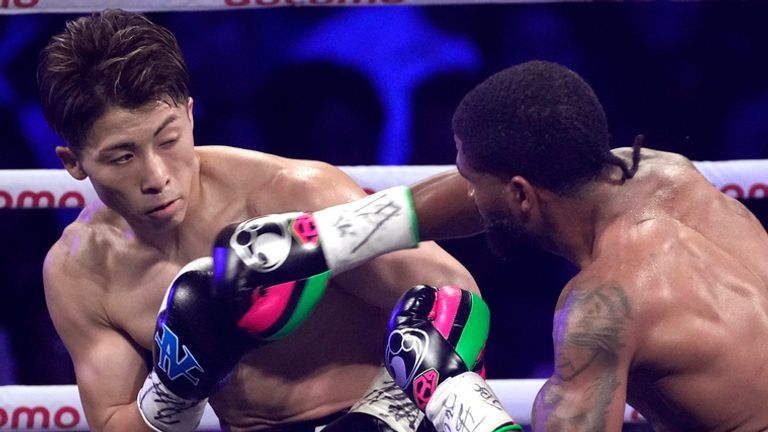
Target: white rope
(35, 188)
(39, 408)
(85, 6)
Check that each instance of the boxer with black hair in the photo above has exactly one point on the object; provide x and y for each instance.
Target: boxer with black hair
(114, 87)
(668, 309)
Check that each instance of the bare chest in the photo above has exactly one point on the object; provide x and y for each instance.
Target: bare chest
(134, 299)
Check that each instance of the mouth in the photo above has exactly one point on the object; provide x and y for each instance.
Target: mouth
(160, 208)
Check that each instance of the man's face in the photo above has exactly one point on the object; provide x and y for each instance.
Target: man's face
(497, 204)
(142, 162)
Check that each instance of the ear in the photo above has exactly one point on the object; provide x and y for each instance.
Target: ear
(191, 117)
(524, 194)
(71, 162)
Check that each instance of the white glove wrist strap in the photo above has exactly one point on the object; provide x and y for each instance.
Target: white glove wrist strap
(355, 232)
(466, 402)
(386, 401)
(163, 411)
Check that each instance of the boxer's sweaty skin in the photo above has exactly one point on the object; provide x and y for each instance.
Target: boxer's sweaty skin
(669, 311)
(162, 202)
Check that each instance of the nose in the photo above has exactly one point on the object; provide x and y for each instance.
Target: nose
(156, 176)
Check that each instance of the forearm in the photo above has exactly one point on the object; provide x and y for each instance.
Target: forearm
(121, 418)
(444, 209)
(559, 408)
(467, 402)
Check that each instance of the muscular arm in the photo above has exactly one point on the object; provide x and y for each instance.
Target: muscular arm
(587, 392)
(381, 281)
(444, 208)
(108, 366)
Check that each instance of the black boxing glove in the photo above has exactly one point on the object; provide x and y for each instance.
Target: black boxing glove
(195, 349)
(271, 250)
(436, 341)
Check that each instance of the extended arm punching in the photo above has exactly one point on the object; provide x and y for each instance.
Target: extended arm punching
(278, 248)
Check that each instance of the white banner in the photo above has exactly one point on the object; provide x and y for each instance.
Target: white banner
(46, 408)
(35, 188)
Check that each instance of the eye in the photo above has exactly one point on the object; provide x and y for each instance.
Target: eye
(120, 160)
(169, 143)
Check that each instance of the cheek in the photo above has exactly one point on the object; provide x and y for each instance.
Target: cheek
(181, 162)
(115, 195)
(486, 202)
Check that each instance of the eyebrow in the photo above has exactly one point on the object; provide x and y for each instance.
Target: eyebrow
(127, 145)
(168, 120)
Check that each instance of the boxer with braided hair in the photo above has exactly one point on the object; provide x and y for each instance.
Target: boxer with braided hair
(668, 309)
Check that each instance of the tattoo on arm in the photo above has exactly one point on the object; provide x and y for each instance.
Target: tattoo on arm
(590, 332)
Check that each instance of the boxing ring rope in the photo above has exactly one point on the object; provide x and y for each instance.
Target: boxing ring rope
(51, 188)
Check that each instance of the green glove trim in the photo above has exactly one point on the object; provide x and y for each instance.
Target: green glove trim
(314, 287)
(475, 332)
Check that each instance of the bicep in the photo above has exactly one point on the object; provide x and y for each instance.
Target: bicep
(110, 369)
(592, 335)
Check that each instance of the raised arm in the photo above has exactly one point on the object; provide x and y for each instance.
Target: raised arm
(387, 277)
(109, 367)
(593, 346)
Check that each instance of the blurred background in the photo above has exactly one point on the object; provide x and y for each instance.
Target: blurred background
(378, 85)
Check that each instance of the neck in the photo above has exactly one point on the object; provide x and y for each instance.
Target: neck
(577, 223)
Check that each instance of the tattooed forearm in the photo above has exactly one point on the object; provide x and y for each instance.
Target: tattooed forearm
(555, 410)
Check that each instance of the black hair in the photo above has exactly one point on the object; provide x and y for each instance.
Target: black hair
(110, 58)
(539, 120)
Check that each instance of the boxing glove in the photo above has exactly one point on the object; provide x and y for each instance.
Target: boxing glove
(435, 341)
(274, 249)
(194, 350)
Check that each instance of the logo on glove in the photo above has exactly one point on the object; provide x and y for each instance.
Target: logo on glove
(169, 361)
(263, 244)
(424, 387)
(406, 349)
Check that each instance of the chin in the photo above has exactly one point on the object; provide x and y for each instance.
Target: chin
(505, 235)
(165, 224)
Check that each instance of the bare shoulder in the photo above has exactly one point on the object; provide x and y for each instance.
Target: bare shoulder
(661, 165)
(584, 294)
(317, 184)
(232, 164)
(78, 264)
(639, 261)
(292, 184)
